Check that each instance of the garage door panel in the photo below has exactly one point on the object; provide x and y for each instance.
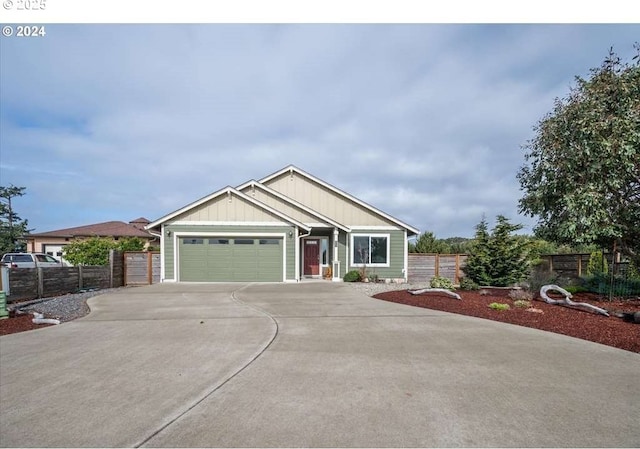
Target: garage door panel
(243, 259)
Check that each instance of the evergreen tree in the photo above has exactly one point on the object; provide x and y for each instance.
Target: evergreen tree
(499, 259)
(12, 227)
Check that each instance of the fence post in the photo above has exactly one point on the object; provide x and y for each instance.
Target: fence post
(111, 261)
(40, 277)
(149, 268)
(579, 265)
(456, 278)
(437, 270)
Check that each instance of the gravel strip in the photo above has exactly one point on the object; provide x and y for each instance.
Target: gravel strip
(373, 288)
(64, 308)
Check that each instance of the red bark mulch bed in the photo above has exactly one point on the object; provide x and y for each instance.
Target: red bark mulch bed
(19, 323)
(611, 331)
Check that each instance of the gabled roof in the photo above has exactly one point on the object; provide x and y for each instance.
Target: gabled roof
(294, 169)
(294, 203)
(106, 229)
(227, 190)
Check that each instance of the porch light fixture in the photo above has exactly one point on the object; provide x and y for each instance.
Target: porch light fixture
(168, 233)
(290, 234)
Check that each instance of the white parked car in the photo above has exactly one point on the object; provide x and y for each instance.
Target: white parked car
(31, 260)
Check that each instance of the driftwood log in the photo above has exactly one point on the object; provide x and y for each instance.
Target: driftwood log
(567, 299)
(435, 290)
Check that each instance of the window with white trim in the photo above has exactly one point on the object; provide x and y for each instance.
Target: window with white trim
(370, 250)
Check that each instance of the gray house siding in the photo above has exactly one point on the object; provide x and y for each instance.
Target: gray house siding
(397, 248)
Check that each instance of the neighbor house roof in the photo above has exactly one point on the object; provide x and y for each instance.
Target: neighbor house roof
(106, 229)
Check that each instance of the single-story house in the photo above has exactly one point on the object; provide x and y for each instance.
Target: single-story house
(52, 242)
(285, 227)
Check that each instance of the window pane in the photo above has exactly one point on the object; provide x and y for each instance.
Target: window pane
(218, 241)
(361, 249)
(325, 246)
(378, 250)
(269, 241)
(193, 241)
(243, 242)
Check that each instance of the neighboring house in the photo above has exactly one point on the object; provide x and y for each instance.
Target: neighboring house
(53, 242)
(287, 226)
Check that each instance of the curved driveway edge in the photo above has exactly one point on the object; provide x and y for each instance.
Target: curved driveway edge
(344, 370)
(140, 359)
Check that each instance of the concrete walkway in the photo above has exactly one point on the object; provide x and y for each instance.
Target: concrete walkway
(306, 365)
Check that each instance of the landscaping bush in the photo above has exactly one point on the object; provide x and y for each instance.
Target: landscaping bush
(597, 264)
(352, 276)
(573, 289)
(602, 283)
(521, 303)
(499, 306)
(468, 284)
(440, 282)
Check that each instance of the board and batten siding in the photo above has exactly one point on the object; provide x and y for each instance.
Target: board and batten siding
(225, 230)
(280, 205)
(325, 201)
(397, 248)
(228, 208)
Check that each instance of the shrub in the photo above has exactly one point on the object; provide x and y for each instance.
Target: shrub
(467, 284)
(597, 264)
(521, 303)
(499, 306)
(573, 289)
(440, 282)
(352, 276)
(521, 295)
(540, 275)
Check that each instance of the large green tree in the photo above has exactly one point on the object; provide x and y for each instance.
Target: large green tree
(12, 227)
(582, 171)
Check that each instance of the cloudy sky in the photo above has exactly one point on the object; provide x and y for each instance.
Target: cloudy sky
(426, 122)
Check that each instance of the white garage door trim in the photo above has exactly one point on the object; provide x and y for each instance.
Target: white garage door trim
(176, 240)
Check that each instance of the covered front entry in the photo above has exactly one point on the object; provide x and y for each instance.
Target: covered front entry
(231, 259)
(315, 256)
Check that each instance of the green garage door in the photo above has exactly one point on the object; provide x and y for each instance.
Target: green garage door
(223, 259)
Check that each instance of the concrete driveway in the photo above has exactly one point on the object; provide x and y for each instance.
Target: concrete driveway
(310, 364)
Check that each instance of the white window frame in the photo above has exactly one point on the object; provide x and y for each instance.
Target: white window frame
(370, 235)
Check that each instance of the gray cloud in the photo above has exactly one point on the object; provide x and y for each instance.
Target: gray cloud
(426, 122)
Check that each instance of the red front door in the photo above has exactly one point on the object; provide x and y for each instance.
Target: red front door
(311, 257)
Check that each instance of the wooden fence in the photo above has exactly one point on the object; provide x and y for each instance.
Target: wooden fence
(141, 267)
(130, 268)
(33, 283)
(424, 267)
(575, 265)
